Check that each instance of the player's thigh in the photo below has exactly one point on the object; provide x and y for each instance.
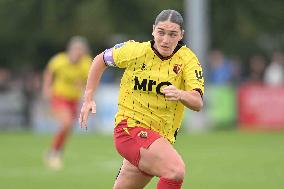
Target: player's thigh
(159, 158)
(130, 177)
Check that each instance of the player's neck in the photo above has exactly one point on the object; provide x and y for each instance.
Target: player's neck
(165, 57)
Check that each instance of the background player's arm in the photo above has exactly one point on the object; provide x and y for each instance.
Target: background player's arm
(47, 82)
(97, 68)
(190, 99)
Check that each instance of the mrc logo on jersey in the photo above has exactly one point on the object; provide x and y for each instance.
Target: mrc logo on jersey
(149, 85)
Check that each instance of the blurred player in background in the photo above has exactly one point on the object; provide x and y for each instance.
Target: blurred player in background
(63, 82)
(160, 78)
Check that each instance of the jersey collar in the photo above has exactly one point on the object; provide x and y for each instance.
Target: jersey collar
(179, 45)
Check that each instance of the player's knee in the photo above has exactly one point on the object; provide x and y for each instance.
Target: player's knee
(122, 181)
(67, 122)
(118, 183)
(175, 171)
(116, 186)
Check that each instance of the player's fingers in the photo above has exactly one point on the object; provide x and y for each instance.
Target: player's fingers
(169, 88)
(94, 108)
(173, 95)
(81, 117)
(171, 98)
(80, 120)
(169, 94)
(85, 119)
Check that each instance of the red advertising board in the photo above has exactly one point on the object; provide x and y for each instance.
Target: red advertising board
(261, 107)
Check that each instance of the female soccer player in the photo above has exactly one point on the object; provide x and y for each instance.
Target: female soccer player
(160, 78)
(63, 82)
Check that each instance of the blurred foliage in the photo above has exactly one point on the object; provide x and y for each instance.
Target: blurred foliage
(247, 27)
(33, 30)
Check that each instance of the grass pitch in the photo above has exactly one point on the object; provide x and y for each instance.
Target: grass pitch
(220, 160)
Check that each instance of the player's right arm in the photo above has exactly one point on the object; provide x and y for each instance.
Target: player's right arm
(97, 68)
(47, 81)
(118, 56)
(49, 73)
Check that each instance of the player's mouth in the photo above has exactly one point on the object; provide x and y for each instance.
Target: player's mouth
(165, 47)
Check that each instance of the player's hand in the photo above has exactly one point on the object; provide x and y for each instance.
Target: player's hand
(85, 110)
(172, 93)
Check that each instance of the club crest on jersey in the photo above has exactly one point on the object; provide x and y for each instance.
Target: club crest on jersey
(177, 68)
(143, 134)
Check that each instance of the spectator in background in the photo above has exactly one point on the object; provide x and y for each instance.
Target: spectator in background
(5, 77)
(274, 74)
(257, 64)
(63, 81)
(221, 70)
(237, 69)
(31, 84)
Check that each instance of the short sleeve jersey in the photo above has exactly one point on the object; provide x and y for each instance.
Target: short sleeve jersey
(141, 101)
(69, 78)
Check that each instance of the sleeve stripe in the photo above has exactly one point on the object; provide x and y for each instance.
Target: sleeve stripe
(200, 92)
(108, 57)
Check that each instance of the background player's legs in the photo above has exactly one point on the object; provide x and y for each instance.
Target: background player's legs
(65, 119)
(130, 177)
(162, 160)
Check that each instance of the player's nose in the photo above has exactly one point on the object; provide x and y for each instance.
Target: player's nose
(166, 39)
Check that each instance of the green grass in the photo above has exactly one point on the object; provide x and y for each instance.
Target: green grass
(221, 160)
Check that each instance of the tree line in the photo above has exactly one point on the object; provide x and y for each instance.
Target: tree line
(34, 30)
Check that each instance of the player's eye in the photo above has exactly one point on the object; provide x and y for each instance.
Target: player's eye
(173, 35)
(161, 33)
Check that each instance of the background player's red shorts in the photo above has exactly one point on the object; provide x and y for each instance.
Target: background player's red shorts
(129, 140)
(58, 102)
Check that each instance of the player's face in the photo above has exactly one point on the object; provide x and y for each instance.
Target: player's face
(166, 36)
(76, 51)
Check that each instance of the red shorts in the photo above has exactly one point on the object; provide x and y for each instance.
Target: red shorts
(58, 103)
(129, 140)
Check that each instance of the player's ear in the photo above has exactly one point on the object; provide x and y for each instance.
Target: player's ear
(153, 30)
(182, 34)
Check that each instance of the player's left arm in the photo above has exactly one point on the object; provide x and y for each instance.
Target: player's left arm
(190, 99)
(193, 91)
